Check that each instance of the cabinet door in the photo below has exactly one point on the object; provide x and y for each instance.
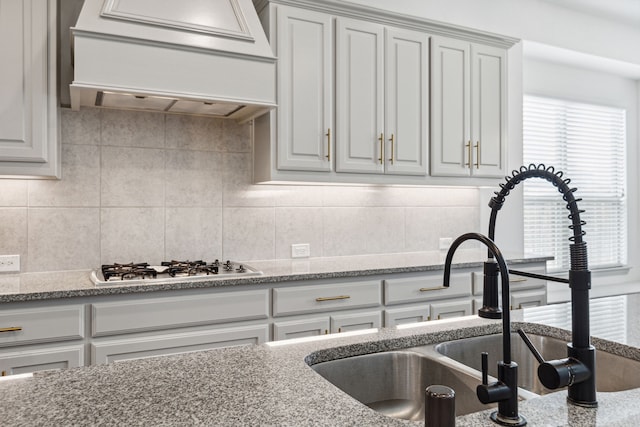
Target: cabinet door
(489, 117)
(450, 107)
(111, 350)
(301, 328)
(406, 102)
(22, 362)
(528, 299)
(355, 322)
(411, 314)
(450, 309)
(28, 101)
(304, 46)
(359, 96)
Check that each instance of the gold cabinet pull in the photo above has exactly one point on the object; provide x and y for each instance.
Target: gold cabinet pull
(468, 147)
(432, 289)
(337, 297)
(11, 329)
(392, 139)
(517, 280)
(381, 139)
(328, 134)
(477, 147)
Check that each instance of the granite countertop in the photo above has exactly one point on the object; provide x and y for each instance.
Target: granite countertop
(272, 385)
(67, 284)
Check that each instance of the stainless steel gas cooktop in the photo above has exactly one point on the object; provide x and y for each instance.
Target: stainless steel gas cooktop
(170, 271)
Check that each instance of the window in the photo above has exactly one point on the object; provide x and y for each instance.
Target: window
(587, 143)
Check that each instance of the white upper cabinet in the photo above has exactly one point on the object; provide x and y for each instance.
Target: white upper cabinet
(468, 109)
(382, 96)
(370, 96)
(28, 101)
(305, 92)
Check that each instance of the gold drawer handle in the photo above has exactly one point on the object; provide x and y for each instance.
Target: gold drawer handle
(11, 329)
(320, 299)
(439, 288)
(517, 280)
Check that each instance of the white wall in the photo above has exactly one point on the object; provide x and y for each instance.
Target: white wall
(535, 20)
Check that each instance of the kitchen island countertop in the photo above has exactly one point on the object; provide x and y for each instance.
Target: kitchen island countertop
(68, 284)
(271, 385)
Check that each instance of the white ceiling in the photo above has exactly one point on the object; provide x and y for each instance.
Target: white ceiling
(627, 11)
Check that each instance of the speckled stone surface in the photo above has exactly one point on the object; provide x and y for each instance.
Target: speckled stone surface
(270, 385)
(68, 284)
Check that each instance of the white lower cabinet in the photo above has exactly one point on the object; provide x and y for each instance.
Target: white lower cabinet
(300, 328)
(112, 350)
(26, 361)
(425, 312)
(326, 324)
(411, 314)
(355, 321)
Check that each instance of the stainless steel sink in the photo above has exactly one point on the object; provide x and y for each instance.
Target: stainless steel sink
(394, 382)
(614, 373)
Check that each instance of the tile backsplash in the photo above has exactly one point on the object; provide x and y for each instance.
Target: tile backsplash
(140, 186)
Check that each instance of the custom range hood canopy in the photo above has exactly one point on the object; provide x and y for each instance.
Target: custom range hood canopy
(206, 57)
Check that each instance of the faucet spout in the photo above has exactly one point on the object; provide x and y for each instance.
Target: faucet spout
(505, 391)
(583, 391)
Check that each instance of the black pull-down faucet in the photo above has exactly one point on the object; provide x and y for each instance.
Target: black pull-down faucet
(577, 371)
(505, 390)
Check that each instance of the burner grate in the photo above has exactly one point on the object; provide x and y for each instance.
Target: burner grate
(128, 271)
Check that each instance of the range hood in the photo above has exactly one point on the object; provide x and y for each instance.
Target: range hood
(205, 57)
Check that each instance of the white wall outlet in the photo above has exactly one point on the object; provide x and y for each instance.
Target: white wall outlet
(300, 250)
(445, 243)
(10, 263)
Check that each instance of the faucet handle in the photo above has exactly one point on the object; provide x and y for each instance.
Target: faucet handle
(485, 367)
(559, 373)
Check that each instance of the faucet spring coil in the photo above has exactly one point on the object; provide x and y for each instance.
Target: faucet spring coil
(557, 180)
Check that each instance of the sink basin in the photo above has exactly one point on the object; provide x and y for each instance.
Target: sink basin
(613, 372)
(394, 382)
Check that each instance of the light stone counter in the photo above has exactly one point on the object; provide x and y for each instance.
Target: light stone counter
(67, 284)
(270, 385)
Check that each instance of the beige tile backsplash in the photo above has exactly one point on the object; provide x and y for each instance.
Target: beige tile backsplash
(142, 186)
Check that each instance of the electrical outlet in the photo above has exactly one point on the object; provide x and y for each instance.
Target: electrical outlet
(445, 243)
(300, 250)
(10, 263)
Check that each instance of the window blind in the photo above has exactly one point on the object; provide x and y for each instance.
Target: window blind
(588, 143)
(608, 317)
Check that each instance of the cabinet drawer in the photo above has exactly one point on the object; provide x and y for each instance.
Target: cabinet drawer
(176, 312)
(41, 325)
(426, 288)
(161, 345)
(312, 299)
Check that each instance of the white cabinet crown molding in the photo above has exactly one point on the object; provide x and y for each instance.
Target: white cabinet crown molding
(400, 20)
